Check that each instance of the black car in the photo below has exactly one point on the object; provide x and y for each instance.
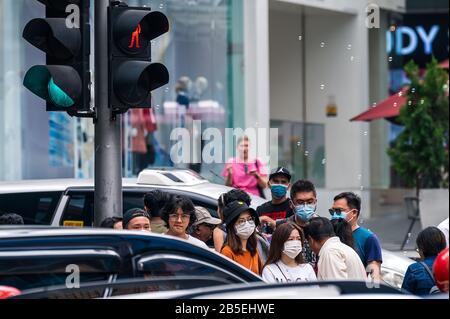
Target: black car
(48, 257)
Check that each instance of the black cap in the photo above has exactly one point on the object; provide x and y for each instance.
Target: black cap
(234, 209)
(133, 213)
(280, 171)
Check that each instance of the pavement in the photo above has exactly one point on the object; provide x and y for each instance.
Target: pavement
(391, 231)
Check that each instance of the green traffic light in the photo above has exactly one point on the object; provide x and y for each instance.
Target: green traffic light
(58, 96)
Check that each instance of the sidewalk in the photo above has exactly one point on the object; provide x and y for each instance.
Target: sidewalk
(391, 231)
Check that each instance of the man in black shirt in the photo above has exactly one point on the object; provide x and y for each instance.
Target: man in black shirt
(279, 207)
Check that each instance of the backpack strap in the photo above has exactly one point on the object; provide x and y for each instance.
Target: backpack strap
(430, 273)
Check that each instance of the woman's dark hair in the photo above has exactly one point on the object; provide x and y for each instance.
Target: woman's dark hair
(431, 241)
(343, 230)
(234, 242)
(235, 195)
(279, 237)
(319, 228)
(174, 204)
(110, 222)
(11, 219)
(155, 200)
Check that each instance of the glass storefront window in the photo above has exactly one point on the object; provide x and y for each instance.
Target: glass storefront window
(302, 150)
(204, 55)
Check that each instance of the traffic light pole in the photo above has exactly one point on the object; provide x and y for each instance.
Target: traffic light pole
(108, 153)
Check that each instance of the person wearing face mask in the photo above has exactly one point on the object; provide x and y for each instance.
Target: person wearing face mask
(285, 262)
(348, 206)
(279, 207)
(304, 204)
(241, 243)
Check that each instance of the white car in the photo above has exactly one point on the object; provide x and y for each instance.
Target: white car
(70, 202)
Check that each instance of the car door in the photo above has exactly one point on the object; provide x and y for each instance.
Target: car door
(182, 272)
(79, 209)
(52, 266)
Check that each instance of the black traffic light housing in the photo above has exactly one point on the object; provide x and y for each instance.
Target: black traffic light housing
(132, 75)
(64, 82)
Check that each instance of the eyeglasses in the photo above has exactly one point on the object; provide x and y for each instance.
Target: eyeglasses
(337, 211)
(242, 221)
(184, 217)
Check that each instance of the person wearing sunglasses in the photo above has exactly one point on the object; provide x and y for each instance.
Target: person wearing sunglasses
(348, 206)
(241, 243)
(179, 215)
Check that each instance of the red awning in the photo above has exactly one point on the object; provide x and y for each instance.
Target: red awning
(444, 64)
(388, 108)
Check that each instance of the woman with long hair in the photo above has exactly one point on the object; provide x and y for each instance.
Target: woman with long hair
(285, 262)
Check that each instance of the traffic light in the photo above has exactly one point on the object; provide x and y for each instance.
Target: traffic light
(132, 75)
(64, 36)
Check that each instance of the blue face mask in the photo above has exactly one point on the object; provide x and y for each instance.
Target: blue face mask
(305, 212)
(342, 215)
(278, 190)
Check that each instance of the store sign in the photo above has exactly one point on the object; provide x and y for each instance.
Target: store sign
(419, 38)
(407, 40)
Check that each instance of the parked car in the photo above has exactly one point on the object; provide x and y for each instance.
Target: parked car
(35, 257)
(251, 291)
(300, 290)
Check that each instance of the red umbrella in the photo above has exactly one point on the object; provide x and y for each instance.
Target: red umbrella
(388, 108)
(444, 64)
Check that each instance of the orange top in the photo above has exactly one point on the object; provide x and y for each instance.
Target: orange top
(246, 260)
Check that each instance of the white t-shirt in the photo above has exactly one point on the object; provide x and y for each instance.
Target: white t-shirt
(444, 228)
(279, 272)
(197, 242)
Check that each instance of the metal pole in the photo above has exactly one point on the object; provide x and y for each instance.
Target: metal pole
(108, 156)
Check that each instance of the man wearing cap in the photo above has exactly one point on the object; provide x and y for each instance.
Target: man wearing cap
(204, 225)
(279, 207)
(136, 219)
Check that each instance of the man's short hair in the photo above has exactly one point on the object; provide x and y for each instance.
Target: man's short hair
(319, 228)
(303, 186)
(132, 214)
(11, 219)
(353, 200)
(109, 222)
(155, 201)
(176, 202)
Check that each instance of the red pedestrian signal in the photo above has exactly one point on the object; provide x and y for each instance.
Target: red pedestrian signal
(135, 37)
(132, 74)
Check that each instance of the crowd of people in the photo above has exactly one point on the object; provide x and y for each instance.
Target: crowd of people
(285, 240)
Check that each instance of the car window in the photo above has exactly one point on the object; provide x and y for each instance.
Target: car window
(38, 280)
(175, 266)
(79, 211)
(35, 208)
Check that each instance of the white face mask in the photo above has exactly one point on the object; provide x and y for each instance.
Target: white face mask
(292, 248)
(245, 230)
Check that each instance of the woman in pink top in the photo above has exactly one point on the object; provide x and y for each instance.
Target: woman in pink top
(244, 173)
